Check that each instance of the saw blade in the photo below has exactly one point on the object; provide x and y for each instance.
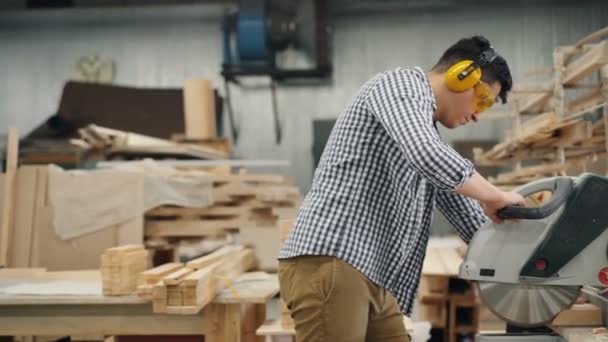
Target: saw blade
(527, 305)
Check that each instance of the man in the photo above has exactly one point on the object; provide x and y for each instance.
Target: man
(352, 262)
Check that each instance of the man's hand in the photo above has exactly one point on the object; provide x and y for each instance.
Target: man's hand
(491, 208)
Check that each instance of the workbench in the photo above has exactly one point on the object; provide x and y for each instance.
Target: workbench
(233, 316)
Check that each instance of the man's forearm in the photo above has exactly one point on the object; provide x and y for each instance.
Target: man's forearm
(479, 188)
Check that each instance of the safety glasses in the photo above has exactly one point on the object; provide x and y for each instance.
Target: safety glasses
(484, 98)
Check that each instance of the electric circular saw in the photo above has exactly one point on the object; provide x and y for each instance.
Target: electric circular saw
(531, 269)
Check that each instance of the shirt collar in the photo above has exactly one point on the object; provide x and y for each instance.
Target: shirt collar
(422, 75)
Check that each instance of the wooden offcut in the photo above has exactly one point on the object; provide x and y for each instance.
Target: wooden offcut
(12, 154)
(199, 109)
(121, 267)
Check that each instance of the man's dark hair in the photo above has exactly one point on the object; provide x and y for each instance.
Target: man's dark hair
(470, 48)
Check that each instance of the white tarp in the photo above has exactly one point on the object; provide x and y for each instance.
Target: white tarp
(87, 201)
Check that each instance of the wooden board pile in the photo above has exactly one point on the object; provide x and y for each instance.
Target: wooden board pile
(115, 143)
(239, 201)
(120, 269)
(185, 289)
(451, 304)
(27, 234)
(556, 131)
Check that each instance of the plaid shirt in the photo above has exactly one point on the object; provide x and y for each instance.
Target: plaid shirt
(382, 172)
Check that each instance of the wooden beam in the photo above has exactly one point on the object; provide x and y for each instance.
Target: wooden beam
(129, 319)
(579, 315)
(536, 103)
(176, 277)
(154, 275)
(212, 258)
(586, 64)
(213, 211)
(585, 101)
(191, 227)
(25, 207)
(532, 171)
(12, 154)
(592, 37)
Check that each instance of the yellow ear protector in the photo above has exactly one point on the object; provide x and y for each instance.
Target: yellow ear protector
(466, 74)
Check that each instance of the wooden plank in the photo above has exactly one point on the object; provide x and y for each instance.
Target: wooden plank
(193, 228)
(532, 171)
(213, 281)
(585, 101)
(124, 249)
(218, 255)
(251, 178)
(216, 210)
(537, 102)
(194, 278)
(42, 215)
(591, 37)
(579, 315)
(251, 287)
(586, 64)
(275, 328)
(20, 272)
(432, 264)
(131, 319)
(6, 212)
(176, 277)
(451, 260)
(154, 275)
(24, 216)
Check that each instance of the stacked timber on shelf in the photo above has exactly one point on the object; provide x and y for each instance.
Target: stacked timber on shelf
(559, 127)
(248, 205)
(120, 268)
(239, 201)
(176, 288)
(451, 304)
(112, 143)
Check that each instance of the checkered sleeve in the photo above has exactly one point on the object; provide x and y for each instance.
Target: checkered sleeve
(398, 102)
(464, 213)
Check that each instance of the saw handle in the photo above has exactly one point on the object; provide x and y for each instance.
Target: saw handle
(559, 186)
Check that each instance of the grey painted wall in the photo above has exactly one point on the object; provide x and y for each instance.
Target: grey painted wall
(161, 47)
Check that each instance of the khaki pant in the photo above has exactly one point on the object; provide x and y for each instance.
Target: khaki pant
(331, 301)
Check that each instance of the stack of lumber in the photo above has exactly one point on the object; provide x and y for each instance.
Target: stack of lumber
(185, 289)
(120, 268)
(115, 143)
(149, 278)
(541, 135)
(450, 304)
(239, 201)
(559, 127)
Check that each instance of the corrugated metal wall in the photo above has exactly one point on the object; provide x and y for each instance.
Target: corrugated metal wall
(161, 47)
